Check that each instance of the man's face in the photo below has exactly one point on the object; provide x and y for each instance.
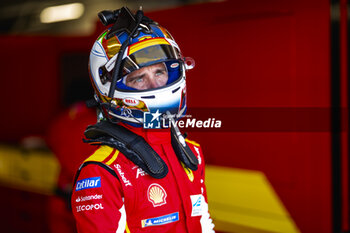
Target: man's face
(148, 77)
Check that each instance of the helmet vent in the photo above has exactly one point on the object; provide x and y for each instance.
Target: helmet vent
(175, 90)
(148, 97)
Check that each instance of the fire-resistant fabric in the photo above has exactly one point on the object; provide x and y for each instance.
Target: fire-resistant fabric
(112, 194)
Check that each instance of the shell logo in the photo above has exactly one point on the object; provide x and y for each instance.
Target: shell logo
(156, 195)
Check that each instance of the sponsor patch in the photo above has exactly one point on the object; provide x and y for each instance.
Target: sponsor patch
(92, 182)
(165, 219)
(139, 172)
(88, 198)
(122, 174)
(174, 65)
(130, 101)
(89, 207)
(156, 195)
(197, 204)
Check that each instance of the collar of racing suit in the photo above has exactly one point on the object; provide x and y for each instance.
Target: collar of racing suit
(153, 136)
(168, 135)
(134, 144)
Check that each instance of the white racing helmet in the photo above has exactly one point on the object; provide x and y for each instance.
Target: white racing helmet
(149, 44)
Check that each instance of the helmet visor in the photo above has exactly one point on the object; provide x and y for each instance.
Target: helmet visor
(148, 56)
(152, 77)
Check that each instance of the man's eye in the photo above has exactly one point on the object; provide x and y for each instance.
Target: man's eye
(135, 79)
(160, 72)
(138, 80)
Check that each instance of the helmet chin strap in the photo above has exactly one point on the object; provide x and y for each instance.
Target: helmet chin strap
(175, 130)
(182, 150)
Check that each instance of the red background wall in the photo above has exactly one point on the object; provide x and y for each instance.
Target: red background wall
(266, 54)
(255, 54)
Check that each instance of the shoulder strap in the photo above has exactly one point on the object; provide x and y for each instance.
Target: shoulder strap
(133, 146)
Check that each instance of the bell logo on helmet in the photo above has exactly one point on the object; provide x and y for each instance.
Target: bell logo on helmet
(130, 101)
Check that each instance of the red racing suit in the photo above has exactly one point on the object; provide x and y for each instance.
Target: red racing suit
(112, 194)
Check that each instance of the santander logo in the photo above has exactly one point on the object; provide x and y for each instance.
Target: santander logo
(130, 101)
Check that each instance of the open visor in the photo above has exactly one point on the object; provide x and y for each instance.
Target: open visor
(172, 69)
(149, 55)
(141, 56)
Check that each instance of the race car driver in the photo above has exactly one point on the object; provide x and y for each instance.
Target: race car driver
(144, 175)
